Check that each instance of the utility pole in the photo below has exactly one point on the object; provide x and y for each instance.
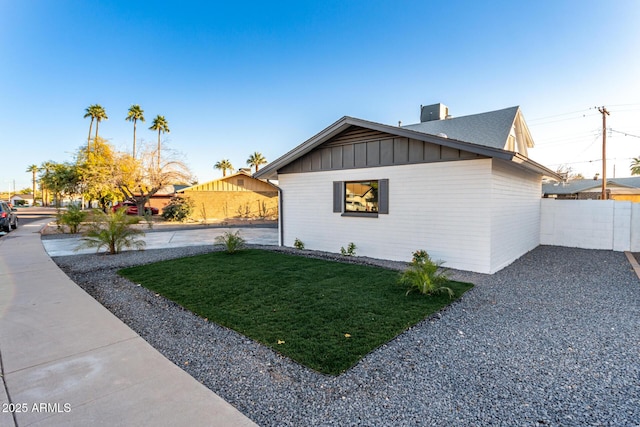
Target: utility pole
(604, 113)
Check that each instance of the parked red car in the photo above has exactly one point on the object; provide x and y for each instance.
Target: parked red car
(132, 209)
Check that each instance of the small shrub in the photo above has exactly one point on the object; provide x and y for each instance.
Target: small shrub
(72, 218)
(350, 251)
(231, 241)
(425, 276)
(112, 230)
(203, 213)
(298, 244)
(178, 209)
(148, 217)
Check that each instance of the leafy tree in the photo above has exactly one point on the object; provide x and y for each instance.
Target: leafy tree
(96, 171)
(635, 166)
(256, 159)
(568, 173)
(34, 170)
(162, 126)
(61, 179)
(139, 179)
(224, 165)
(135, 113)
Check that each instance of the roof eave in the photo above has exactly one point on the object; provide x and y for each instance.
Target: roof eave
(270, 171)
(534, 166)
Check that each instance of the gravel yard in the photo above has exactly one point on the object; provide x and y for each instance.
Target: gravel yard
(553, 339)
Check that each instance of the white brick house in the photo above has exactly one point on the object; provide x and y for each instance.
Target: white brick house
(472, 202)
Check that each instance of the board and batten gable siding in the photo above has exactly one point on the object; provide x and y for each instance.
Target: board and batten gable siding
(233, 183)
(357, 147)
(515, 215)
(442, 207)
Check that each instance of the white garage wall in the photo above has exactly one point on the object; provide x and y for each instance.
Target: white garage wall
(444, 208)
(515, 217)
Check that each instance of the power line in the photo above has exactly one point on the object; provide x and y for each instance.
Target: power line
(623, 133)
(560, 120)
(558, 115)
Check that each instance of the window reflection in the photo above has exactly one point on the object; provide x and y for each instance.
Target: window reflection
(361, 196)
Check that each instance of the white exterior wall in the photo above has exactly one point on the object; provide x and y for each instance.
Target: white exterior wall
(591, 224)
(515, 213)
(444, 208)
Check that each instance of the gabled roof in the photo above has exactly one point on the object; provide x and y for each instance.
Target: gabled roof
(582, 185)
(491, 129)
(270, 171)
(241, 172)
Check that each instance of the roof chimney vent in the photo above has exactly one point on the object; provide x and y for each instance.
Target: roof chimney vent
(433, 112)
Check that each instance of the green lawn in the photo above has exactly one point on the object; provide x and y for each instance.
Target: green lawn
(325, 315)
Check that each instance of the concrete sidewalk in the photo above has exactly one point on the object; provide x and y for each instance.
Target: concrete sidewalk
(171, 239)
(67, 361)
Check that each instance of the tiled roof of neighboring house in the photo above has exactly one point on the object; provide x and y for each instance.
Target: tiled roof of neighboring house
(581, 185)
(490, 129)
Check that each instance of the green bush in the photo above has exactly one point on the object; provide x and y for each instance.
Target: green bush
(178, 209)
(350, 251)
(425, 276)
(72, 217)
(298, 244)
(231, 241)
(112, 230)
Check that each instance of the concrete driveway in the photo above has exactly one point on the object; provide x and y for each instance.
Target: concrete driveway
(158, 239)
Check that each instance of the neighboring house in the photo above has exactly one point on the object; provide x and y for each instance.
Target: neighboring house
(163, 197)
(234, 196)
(21, 199)
(461, 188)
(583, 189)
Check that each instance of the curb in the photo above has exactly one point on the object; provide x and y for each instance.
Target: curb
(633, 262)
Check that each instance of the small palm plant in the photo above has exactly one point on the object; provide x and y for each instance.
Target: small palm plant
(73, 217)
(113, 231)
(232, 242)
(425, 276)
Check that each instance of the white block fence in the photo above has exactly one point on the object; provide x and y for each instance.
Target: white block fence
(591, 224)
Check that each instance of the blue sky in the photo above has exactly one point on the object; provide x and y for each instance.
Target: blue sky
(233, 78)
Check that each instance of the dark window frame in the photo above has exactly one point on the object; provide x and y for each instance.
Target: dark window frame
(340, 198)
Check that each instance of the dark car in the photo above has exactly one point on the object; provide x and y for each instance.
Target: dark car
(8, 217)
(132, 208)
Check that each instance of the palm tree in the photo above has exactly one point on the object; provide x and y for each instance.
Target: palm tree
(33, 169)
(256, 159)
(90, 111)
(635, 166)
(101, 114)
(161, 125)
(135, 113)
(45, 168)
(97, 113)
(224, 165)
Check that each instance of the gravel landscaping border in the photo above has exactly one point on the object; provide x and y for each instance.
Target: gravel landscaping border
(553, 339)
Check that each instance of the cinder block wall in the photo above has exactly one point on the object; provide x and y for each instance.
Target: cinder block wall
(590, 224)
(216, 205)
